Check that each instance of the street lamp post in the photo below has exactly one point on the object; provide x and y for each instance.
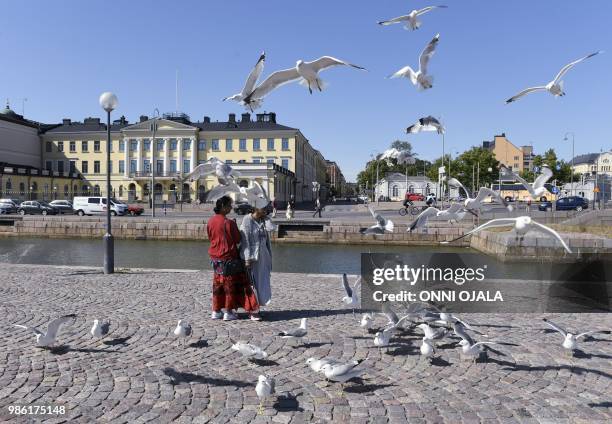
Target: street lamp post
(153, 164)
(572, 173)
(109, 102)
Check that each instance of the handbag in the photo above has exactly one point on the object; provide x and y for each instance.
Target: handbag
(231, 266)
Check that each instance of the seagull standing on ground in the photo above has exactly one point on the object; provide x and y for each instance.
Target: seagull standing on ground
(427, 349)
(367, 320)
(420, 78)
(536, 189)
(296, 333)
(426, 124)
(522, 225)
(249, 85)
(306, 72)
(99, 329)
(317, 364)
(182, 330)
(264, 389)
(343, 372)
(431, 334)
(249, 351)
(382, 224)
(48, 339)
(411, 20)
(473, 350)
(570, 341)
(555, 87)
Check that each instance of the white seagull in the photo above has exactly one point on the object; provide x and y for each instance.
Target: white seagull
(317, 364)
(351, 297)
(536, 189)
(476, 203)
(431, 334)
(225, 176)
(182, 330)
(306, 72)
(455, 212)
(473, 350)
(427, 348)
(555, 87)
(264, 389)
(382, 224)
(342, 372)
(570, 341)
(367, 320)
(249, 85)
(522, 225)
(426, 124)
(411, 20)
(402, 157)
(296, 333)
(249, 351)
(99, 329)
(420, 78)
(48, 339)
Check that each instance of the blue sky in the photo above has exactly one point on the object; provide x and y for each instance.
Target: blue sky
(62, 55)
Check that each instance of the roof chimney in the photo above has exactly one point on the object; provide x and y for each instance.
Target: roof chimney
(144, 118)
(273, 117)
(246, 117)
(207, 119)
(232, 117)
(65, 121)
(90, 120)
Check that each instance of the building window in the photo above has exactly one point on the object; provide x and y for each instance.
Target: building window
(48, 147)
(147, 165)
(160, 166)
(133, 166)
(84, 146)
(215, 144)
(133, 145)
(516, 158)
(60, 146)
(186, 165)
(256, 160)
(96, 166)
(84, 167)
(228, 145)
(173, 144)
(285, 144)
(270, 144)
(60, 166)
(285, 163)
(49, 165)
(186, 144)
(173, 165)
(72, 166)
(242, 145)
(122, 166)
(97, 146)
(395, 191)
(72, 146)
(256, 144)
(121, 145)
(202, 145)
(160, 144)
(270, 160)
(146, 145)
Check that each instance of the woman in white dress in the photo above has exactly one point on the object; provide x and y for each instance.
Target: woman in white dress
(256, 250)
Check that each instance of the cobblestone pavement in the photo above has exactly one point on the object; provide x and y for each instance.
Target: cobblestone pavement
(139, 373)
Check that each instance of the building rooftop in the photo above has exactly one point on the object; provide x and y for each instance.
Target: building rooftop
(262, 122)
(587, 158)
(88, 125)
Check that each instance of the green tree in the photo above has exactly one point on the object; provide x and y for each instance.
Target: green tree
(471, 168)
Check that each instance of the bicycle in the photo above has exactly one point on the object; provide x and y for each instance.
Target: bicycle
(414, 210)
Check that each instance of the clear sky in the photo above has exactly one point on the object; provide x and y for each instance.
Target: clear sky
(61, 55)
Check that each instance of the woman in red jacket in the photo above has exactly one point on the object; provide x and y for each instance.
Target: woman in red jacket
(231, 286)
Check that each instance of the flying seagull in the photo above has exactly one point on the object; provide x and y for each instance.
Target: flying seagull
(306, 72)
(225, 176)
(264, 389)
(99, 329)
(182, 330)
(402, 157)
(411, 20)
(249, 85)
(420, 78)
(522, 225)
(536, 189)
(382, 224)
(426, 124)
(47, 339)
(296, 333)
(476, 203)
(249, 351)
(570, 341)
(455, 212)
(351, 297)
(555, 87)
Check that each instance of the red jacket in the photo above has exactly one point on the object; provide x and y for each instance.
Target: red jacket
(224, 238)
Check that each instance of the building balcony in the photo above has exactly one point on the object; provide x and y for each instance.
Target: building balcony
(146, 175)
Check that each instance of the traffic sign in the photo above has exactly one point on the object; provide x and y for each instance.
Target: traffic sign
(536, 169)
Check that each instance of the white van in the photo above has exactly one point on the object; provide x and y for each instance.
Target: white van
(96, 205)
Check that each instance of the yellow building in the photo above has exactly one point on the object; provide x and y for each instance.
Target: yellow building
(516, 158)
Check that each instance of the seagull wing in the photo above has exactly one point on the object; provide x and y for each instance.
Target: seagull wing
(586, 333)
(428, 53)
(553, 233)
(274, 80)
(347, 286)
(32, 329)
(372, 212)
(543, 177)
(325, 62)
(406, 71)
(421, 220)
(454, 208)
(390, 314)
(456, 183)
(357, 284)
(525, 184)
(202, 170)
(54, 326)
(459, 330)
(569, 66)
(500, 222)
(249, 85)
(555, 327)
(220, 191)
(525, 92)
(429, 9)
(394, 20)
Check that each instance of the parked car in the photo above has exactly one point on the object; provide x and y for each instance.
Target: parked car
(63, 206)
(570, 203)
(13, 204)
(6, 208)
(96, 205)
(415, 197)
(135, 210)
(34, 207)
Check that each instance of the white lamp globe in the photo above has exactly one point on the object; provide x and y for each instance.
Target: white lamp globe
(108, 101)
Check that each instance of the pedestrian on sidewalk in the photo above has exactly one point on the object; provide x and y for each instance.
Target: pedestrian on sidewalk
(256, 251)
(231, 286)
(318, 208)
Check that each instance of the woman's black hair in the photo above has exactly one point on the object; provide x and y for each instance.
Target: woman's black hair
(222, 203)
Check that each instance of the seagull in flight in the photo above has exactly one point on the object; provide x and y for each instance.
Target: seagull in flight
(455, 212)
(411, 20)
(264, 389)
(351, 297)
(536, 189)
(522, 225)
(555, 87)
(48, 339)
(570, 341)
(382, 224)
(476, 203)
(249, 85)
(402, 157)
(306, 72)
(420, 78)
(426, 124)
(183, 330)
(99, 329)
